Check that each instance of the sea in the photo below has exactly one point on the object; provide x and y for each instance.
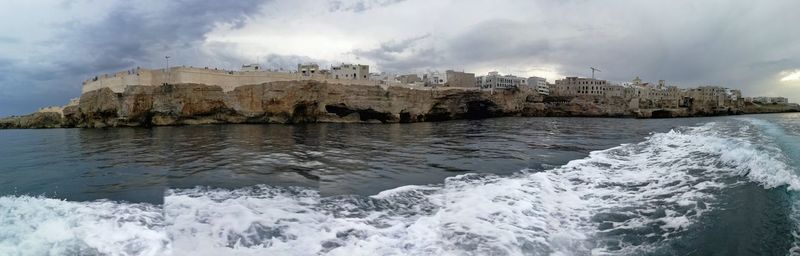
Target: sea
(505, 186)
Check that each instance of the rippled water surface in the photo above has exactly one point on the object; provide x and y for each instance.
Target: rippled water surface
(507, 186)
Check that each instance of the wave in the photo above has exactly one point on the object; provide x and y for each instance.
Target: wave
(631, 199)
(625, 200)
(44, 226)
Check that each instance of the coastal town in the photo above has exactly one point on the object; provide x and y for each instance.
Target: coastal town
(641, 93)
(464, 95)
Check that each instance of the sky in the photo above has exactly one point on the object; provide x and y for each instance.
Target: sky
(47, 48)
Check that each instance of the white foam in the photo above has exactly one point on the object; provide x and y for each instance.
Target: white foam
(762, 156)
(664, 184)
(653, 191)
(43, 226)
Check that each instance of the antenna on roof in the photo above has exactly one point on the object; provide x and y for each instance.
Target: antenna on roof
(593, 70)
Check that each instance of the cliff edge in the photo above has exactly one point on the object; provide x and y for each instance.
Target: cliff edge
(314, 101)
(286, 102)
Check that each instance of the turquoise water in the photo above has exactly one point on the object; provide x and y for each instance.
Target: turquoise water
(508, 186)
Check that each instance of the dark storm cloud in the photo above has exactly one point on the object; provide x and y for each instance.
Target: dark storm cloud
(402, 55)
(687, 43)
(226, 58)
(738, 44)
(130, 34)
(498, 39)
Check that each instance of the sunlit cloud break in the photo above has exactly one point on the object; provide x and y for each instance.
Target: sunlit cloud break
(793, 75)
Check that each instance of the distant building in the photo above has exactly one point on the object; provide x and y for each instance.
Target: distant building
(539, 84)
(251, 67)
(350, 71)
(494, 80)
(736, 94)
(434, 78)
(409, 79)
(459, 79)
(383, 77)
(308, 69)
(714, 95)
(770, 100)
(578, 86)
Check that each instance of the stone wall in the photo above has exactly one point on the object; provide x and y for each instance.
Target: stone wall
(225, 79)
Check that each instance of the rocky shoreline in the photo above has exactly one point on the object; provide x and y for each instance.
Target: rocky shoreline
(292, 102)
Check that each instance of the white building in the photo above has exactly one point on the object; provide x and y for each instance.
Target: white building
(251, 67)
(434, 78)
(539, 84)
(383, 76)
(770, 100)
(496, 81)
(350, 71)
(308, 69)
(579, 86)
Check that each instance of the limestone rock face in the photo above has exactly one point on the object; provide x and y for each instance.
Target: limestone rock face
(35, 120)
(313, 101)
(288, 102)
(577, 106)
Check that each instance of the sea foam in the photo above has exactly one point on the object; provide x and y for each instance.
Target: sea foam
(624, 200)
(629, 199)
(44, 226)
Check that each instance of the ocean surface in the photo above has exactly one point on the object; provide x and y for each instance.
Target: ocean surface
(505, 186)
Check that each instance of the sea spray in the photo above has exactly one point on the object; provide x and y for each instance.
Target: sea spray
(45, 226)
(625, 200)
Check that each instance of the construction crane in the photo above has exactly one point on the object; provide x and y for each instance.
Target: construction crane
(593, 70)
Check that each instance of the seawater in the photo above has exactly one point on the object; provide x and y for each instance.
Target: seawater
(508, 186)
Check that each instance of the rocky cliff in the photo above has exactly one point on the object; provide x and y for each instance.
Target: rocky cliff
(35, 120)
(286, 102)
(312, 101)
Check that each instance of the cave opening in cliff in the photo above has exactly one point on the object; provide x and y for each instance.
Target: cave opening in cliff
(436, 114)
(405, 117)
(479, 109)
(371, 114)
(339, 109)
(662, 113)
(304, 112)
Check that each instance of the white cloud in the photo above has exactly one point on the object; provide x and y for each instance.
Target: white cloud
(790, 75)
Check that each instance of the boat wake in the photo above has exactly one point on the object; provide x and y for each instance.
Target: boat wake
(44, 226)
(631, 199)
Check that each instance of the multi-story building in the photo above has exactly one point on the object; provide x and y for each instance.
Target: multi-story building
(383, 76)
(434, 78)
(735, 94)
(409, 79)
(308, 69)
(769, 100)
(579, 86)
(713, 95)
(251, 67)
(496, 81)
(459, 79)
(350, 71)
(539, 84)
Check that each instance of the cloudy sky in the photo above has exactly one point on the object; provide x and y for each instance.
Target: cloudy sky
(48, 47)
